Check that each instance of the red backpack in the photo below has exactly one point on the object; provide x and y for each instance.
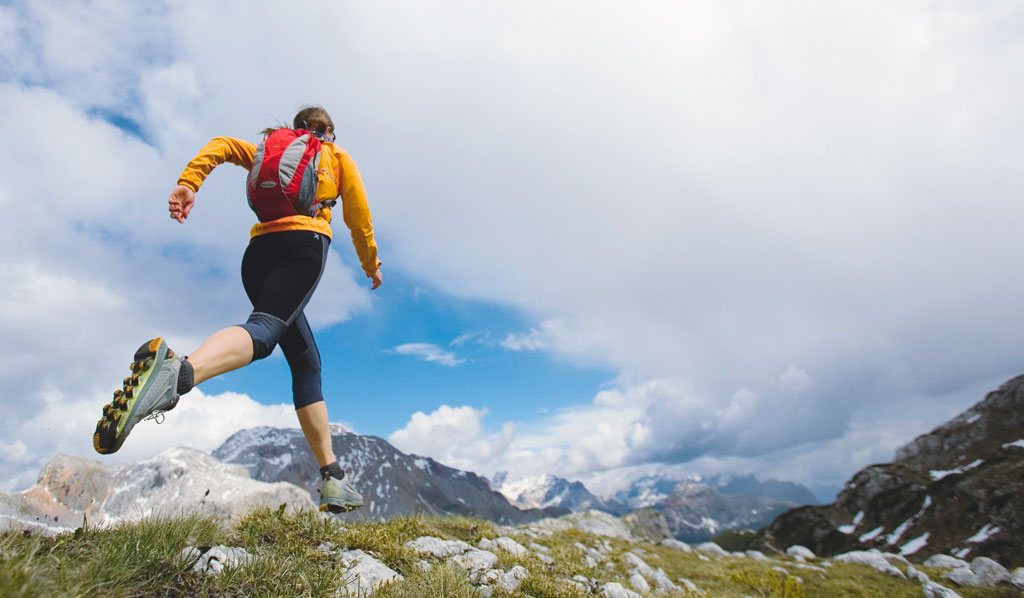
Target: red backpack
(283, 180)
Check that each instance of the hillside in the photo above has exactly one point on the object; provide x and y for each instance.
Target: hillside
(274, 552)
(957, 490)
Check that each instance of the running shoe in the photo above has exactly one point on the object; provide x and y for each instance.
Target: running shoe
(338, 496)
(148, 392)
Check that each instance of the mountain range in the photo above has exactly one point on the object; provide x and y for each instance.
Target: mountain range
(958, 490)
(392, 483)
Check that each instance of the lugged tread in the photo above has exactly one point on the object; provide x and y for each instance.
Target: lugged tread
(105, 438)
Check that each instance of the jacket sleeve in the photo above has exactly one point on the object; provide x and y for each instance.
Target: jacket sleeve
(356, 213)
(213, 154)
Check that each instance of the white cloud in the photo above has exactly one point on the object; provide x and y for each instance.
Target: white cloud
(454, 436)
(534, 340)
(428, 352)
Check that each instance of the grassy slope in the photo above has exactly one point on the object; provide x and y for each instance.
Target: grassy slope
(141, 559)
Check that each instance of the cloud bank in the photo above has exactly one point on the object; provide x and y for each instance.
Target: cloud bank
(786, 227)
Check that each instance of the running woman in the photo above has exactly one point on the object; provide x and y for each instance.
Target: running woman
(280, 269)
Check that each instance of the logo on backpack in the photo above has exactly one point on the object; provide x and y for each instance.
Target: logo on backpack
(283, 180)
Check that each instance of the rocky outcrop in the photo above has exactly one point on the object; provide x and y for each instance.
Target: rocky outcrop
(957, 490)
(392, 483)
(73, 491)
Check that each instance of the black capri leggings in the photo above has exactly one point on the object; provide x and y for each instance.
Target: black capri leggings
(279, 272)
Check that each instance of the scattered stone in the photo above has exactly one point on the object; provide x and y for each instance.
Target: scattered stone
(615, 590)
(367, 573)
(757, 555)
(781, 570)
(800, 553)
(599, 524)
(712, 549)
(639, 583)
(655, 576)
(871, 559)
(511, 579)
(584, 583)
(673, 543)
(437, 547)
(509, 545)
(944, 561)
(475, 560)
(962, 576)
(1017, 577)
(214, 559)
(892, 557)
(935, 590)
(423, 565)
(913, 573)
(689, 585)
(989, 572)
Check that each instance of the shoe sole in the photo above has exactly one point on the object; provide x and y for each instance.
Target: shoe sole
(333, 508)
(112, 429)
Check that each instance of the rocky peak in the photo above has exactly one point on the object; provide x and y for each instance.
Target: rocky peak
(72, 491)
(392, 483)
(958, 490)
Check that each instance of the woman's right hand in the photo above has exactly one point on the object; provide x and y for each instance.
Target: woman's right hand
(180, 203)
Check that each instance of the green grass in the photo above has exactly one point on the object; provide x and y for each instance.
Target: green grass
(142, 559)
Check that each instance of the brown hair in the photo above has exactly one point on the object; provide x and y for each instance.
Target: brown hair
(311, 118)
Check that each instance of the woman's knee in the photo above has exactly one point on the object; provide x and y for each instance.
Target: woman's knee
(265, 331)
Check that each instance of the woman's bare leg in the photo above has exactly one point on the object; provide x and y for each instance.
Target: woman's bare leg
(313, 419)
(224, 351)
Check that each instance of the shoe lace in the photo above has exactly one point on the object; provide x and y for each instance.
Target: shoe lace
(157, 416)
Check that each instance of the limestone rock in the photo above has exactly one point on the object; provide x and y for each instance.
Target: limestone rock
(1017, 577)
(944, 561)
(673, 543)
(599, 524)
(436, 547)
(872, 559)
(800, 553)
(935, 590)
(511, 579)
(989, 572)
(509, 545)
(712, 549)
(615, 590)
(367, 572)
(212, 560)
(474, 560)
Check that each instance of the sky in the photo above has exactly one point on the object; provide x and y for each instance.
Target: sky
(617, 238)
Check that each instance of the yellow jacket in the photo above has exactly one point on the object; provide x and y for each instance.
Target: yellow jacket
(336, 176)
